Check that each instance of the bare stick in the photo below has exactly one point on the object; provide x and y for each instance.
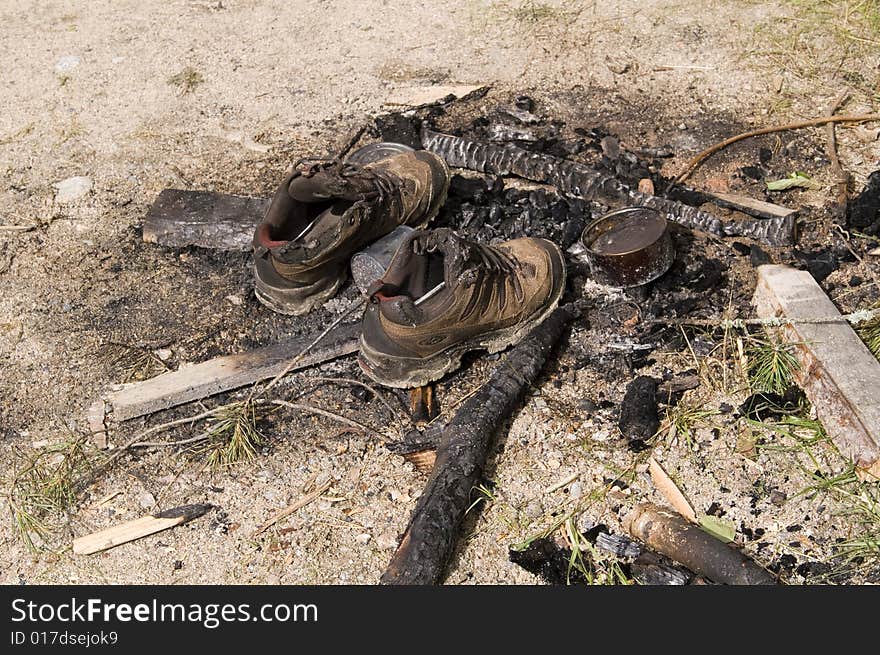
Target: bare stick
(354, 306)
(290, 509)
(822, 120)
(131, 530)
(666, 486)
(840, 176)
(336, 417)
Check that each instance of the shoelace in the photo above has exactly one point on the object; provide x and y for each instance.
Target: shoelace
(383, 184)
(493, 268)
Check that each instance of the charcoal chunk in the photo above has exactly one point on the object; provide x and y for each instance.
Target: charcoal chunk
(638, 411)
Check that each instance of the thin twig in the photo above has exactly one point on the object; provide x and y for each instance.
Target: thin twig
(290, 509)
(336, 417)
(17, 228)
(840, 176)
(162, 427)
(354, 306)
(358, 383)
(162, 444)
(822, 120)
(353, 140)
(854, 318)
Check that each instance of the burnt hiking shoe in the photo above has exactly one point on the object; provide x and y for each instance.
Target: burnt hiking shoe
(443, 295)
(322, 215)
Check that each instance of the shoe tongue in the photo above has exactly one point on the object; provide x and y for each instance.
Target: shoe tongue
(326, 184)
(401, 298)
(315, 188)
(459, 256)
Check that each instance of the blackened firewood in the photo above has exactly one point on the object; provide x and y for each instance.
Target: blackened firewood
(584, 182)
(671, 535)
(618, 545)
(430, 537)
(549, 561)
(206, 219)
(638, 411)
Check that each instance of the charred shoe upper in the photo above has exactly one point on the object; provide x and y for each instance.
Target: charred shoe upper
(444, 295)
(319, 217)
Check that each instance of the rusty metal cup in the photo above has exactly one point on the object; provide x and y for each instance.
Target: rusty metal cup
(650, 256)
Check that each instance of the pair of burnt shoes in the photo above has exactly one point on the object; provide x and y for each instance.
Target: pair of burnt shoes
(440, 297)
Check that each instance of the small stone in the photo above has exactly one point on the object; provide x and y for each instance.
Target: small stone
(66, 63)
(146, 500)
(164, 354)
(72, 189)
(363, 538)
(387, 540)
(778, 498)
(576, 490)
(238, 301)
(534, 510)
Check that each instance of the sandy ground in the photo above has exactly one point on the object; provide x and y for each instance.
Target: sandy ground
(140, 96)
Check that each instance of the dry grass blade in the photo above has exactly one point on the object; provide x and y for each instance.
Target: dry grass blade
(233, 437)
(48, 483)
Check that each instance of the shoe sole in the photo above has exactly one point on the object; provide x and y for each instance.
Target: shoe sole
(293, 301)
(407, 372)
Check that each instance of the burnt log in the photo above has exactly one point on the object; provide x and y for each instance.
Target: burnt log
(579, 180)
(669, 534)
(430, 537)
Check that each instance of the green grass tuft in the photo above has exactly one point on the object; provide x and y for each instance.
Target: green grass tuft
(771, 365)
(869, 332)
(186, 80)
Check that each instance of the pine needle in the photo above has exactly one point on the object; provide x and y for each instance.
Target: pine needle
(771, 365)
(234, 436)
(46, 486)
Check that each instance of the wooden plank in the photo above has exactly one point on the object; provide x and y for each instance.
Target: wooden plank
(131, 530)
(750, 206)
(207, 378)
(837, 372)
(180, 218)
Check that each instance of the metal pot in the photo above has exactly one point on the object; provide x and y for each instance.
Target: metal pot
(627, 247)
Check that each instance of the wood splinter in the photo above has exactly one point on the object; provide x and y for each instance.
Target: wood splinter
(142, 527)
(423, 405)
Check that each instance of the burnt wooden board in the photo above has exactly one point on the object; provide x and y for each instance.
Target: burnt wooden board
(216, 375)
(750, 206)
(180, 218)
(837, 372)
